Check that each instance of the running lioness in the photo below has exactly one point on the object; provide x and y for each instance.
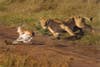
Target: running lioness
(55, 26)
(71, 25)
(82, 23)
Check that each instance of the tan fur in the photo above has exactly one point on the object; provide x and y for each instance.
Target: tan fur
(66, 25)
(80, 22)
(44, 23)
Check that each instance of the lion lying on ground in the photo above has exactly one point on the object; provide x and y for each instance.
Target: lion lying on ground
(71, 25)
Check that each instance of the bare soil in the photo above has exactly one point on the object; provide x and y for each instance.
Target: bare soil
(50, 52)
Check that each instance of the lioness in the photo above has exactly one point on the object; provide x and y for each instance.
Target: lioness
(71, 25)
(79, 23)
(55, 26)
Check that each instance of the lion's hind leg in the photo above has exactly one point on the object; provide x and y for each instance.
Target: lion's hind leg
(73, 35)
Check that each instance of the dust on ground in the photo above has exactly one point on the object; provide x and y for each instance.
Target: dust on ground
(49, 52)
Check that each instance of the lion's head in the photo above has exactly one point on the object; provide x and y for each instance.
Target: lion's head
(43, 22)
(84, 22)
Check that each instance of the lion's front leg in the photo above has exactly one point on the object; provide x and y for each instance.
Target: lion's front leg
(55, 34)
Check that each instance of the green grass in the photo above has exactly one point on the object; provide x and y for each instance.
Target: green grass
(28, 12)
(18, 12)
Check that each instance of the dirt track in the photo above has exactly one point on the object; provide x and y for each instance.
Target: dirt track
(55, 51)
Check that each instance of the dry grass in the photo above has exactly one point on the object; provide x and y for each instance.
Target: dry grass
(33, 58)
(17, 12)
(28, 12)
